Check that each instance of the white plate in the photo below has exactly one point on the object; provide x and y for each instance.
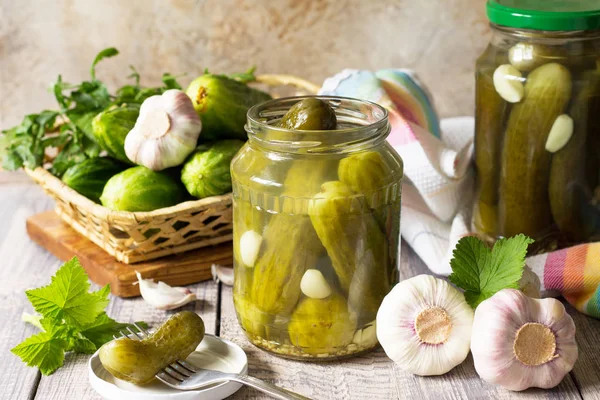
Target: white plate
(212, 353)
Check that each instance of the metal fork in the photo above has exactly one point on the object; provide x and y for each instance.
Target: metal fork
(181, 375)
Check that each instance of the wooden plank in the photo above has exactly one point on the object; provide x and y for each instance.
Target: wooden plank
(23, 266)
(370, 376)
(586, 372)
(52, 233)
(71, 381)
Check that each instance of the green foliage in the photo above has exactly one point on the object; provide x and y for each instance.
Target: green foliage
(481, 271)
(70, 126)
(71, 319)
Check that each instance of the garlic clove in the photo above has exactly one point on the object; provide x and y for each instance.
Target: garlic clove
(530, 283)
(166, 131)
(519, 342)
(250, 242)
(424, 325)
(560, 133)
(508, 82)
(314, 285)
(162, 296)
(222, 274)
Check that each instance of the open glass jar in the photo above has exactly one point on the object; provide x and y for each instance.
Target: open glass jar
(316, 229)
(537, 139)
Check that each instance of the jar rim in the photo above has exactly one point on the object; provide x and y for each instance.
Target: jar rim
(374, 128)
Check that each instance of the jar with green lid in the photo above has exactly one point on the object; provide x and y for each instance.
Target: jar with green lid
(537, 123)
(316, 215)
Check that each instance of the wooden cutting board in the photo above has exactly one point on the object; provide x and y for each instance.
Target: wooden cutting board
(56, 236)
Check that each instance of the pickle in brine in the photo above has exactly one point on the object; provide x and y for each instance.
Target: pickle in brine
(356, 246)
(321, 326)
(524, 206)
(490, 115)
(570, 191)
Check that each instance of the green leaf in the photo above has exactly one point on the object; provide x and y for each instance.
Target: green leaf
(482, 272)
(67, 297)
(244, 77)
(170, 81)
(105, 328)
(44, 350)
(106, 53)
(33, 319)
(80, 344)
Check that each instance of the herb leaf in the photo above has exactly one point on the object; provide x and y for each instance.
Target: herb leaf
(106, 53)
(67, 298)
(482, 272)
(72, 319)
(45, 350)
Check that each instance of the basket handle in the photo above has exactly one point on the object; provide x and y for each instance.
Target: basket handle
(287, 80)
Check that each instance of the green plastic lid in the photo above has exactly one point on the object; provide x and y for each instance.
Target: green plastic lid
(545, 15)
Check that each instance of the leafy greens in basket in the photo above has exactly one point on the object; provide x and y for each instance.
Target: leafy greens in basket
(71, 124)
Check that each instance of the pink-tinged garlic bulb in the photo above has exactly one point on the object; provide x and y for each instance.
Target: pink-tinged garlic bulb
(519, 342)
(424, 325)
(165, 132)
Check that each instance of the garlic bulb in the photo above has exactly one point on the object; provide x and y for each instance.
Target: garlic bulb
(519, 342)
(165, 132)
(162, 296)
(424, 325)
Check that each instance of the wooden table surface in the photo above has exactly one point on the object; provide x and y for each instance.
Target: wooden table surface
(24, 265)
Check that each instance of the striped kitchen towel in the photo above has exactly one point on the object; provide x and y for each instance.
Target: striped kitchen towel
(438, 186)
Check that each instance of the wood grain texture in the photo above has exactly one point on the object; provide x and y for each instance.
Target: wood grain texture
(373, 375)
(440, 39)
(53, 234)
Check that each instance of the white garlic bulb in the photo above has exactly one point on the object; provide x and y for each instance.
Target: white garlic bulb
(424, 325)
(519, 342)
(166, 131)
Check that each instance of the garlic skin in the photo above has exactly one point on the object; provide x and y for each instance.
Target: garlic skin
(424, 325)
(519, 342)
(165, 133)
(162, 296)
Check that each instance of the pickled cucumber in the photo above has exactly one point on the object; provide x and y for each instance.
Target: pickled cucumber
(489, 129)
(569, 189)
(320, 326)
(290, 243)
(137, 361)
(528, 56)
(310, 114)
(357, 247)
(524, 206)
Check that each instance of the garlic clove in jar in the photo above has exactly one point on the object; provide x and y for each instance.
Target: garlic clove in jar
(519, 342)
(250, 242)
(424, 325)
(162, 296)
(166, 131)
(314, 285)
(508, 82)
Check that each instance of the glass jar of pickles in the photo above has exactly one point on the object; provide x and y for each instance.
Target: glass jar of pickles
(537, 134)
(316, 225)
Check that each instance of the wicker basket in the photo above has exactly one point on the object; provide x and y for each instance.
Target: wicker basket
(139, 236)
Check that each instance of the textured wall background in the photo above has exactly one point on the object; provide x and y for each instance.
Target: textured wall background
(39, 39)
